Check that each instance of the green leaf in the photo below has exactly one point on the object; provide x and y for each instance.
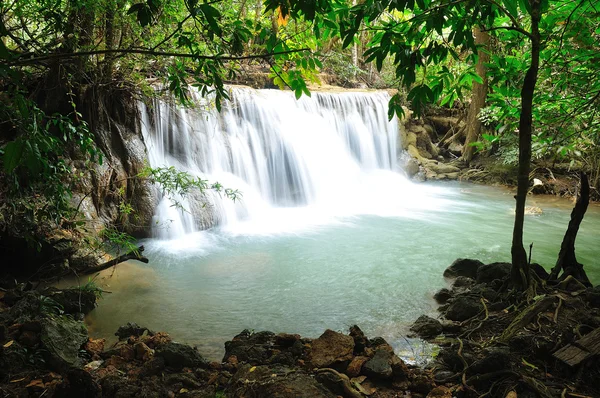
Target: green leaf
(511, 7)
(13, 152)
(212, 15)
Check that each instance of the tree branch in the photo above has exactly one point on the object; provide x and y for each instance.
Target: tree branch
(153, 53)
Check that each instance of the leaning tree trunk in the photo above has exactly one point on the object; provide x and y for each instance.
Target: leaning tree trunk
(566, 257)
(520, 267)
(478, 94)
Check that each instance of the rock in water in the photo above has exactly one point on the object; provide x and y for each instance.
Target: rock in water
(426, 327)
(331, 347)
(463, 267)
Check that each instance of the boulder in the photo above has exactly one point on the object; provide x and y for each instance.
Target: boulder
(62, 336)
(463, 307)
(426, 327)
(330, 348)
(489, 272)
(463, 267)
(179, 356)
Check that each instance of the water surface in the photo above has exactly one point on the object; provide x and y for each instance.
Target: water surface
(377, 271)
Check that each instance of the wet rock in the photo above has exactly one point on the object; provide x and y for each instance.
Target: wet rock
(331, 347)
(493, 361)
(179, 356)
(426, 327)
(355, 366)
(463, 307)
(132, 329)
(442, 296)
(360, 340)
(411, 168)
(489, 272)
(62, 338)
(252, 348)
(275, 381)
(463, 267)
(376, 342)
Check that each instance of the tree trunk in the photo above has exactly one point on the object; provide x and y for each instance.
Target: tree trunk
(109, 40)
(478, 94)
(566, 257)
(520, 267)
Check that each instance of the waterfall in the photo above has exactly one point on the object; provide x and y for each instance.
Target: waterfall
(333, 153)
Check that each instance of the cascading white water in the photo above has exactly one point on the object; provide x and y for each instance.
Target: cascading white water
(333, 153)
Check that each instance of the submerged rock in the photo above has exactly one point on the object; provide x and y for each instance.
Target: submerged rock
(426, 327)
(463, 267)
(331, 347)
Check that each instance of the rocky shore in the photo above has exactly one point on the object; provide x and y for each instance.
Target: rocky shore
(493, 342)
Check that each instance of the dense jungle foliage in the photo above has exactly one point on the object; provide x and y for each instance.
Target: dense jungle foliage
(532, 63)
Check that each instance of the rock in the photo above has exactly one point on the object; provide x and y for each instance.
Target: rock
(331, 347)
(463, 282)
(421, 384)
(443, 168)
(122, 349)
(29, 338)
(411, 168)
(142, 352)
(538, 186)
(275, 382)
(360, 340)
(463, 307)
(493, 361)
(252, 348)
(13, 359)
(63, 337)
(355, 366)
(179, 356)
(94, 347)
(443, 376)
(286, 340)
(426, 327)
(442, 296)
(533, 211)
(132, 329)
(181, 380)
(380, 366)
(489, 272)
(463, 267)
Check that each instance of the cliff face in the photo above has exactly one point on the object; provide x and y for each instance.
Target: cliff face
(112, 193)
